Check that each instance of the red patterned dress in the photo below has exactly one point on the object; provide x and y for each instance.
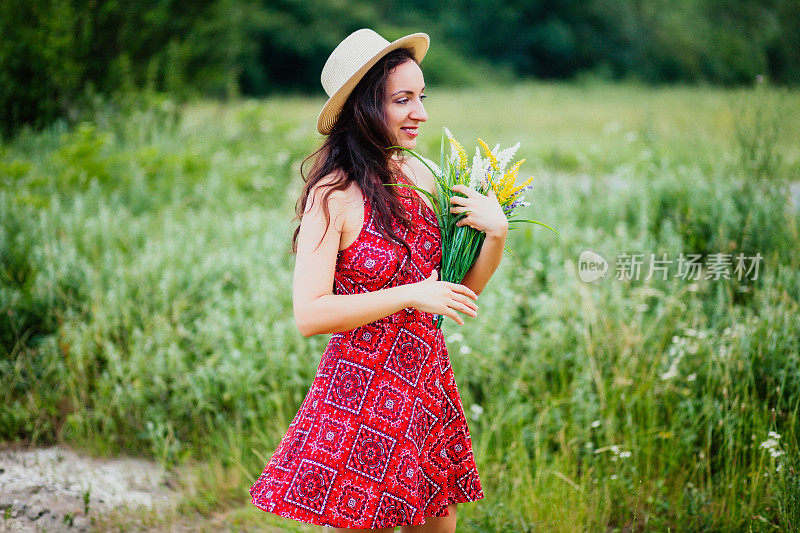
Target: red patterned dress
(380, 439)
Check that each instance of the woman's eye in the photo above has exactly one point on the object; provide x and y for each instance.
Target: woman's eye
(405, 100)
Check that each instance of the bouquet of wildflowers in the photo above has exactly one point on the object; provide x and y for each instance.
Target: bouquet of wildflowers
(461, 245)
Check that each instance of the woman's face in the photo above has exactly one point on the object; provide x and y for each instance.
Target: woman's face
(405, 88)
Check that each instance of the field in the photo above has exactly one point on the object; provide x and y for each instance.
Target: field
(145, 302)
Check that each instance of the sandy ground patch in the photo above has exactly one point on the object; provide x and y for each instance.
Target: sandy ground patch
(59, 489)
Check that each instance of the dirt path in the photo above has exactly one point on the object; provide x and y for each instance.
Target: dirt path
(58, 489)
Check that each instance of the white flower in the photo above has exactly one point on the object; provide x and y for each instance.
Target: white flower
(453, 152)
(773, 435)
(613, 476)
(691, 377)
(477, 411)
(678, 352)
(595, 423)
(455, 337)
(625, 454)
(504, 156)
(669, 374)
(465, 349)
(480, 167)
(769, 444)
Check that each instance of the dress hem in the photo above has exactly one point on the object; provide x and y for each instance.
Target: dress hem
(322, 522)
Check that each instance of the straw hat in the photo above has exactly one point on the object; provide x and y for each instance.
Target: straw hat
(350, 60)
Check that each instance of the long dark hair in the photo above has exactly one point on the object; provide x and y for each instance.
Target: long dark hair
(357, 149)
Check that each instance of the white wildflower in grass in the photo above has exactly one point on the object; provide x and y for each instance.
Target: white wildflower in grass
(772, 445)
(676, 353)
(455, 337)
(625, 454)
(613, 476)
(691, 377)
(669, 374)
(589, 445)
(476, 410)
(769, 444)
(596, 423)
(465, 349)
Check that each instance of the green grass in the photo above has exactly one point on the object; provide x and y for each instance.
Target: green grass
(145, 303)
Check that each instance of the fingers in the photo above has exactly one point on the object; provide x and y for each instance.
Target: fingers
(465, 308)
(463, 289)
(433, 276)
(469, 303)
(449, 311)
(459, 187)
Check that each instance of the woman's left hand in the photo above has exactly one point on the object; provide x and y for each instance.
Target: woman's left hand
(485, 212)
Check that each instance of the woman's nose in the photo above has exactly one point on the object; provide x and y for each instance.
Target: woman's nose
(418, 112)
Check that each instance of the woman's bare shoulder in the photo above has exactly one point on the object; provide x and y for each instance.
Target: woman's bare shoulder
(338, 200)
(422, 176)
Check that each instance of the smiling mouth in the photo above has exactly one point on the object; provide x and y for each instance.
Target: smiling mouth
(411, 131)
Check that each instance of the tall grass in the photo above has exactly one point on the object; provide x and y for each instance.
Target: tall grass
(145, 303)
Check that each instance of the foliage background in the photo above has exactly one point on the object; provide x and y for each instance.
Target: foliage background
(56, 54)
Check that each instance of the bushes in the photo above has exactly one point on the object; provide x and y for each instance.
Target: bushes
(56, 54)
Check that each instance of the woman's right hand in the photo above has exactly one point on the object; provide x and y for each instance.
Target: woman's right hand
(443, 297)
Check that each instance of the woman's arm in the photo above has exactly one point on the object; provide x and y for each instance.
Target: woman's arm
(487, 262)
(318, 310)
(486, 215)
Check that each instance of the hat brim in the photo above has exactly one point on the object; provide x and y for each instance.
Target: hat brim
(418, 42)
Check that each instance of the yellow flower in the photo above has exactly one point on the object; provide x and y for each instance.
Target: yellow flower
(493, 183)
(490, 155)
(462, 154)
(515, 190)
(506, 185)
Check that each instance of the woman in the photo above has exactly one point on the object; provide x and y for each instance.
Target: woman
(381, 439)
